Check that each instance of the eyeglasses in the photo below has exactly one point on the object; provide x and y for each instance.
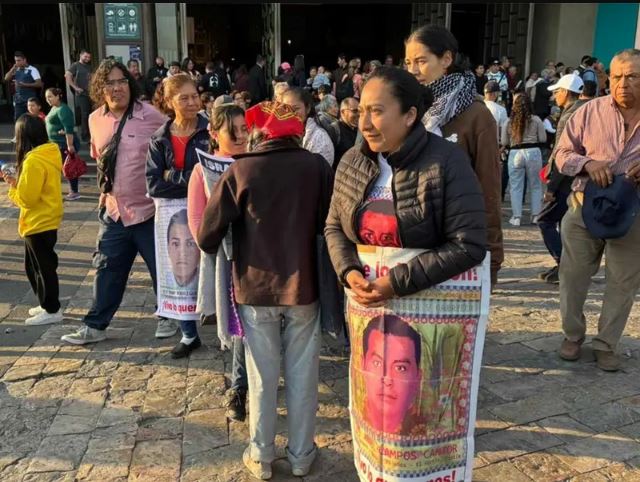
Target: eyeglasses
(111, 84)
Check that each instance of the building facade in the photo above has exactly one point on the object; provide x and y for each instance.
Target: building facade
(52, 35)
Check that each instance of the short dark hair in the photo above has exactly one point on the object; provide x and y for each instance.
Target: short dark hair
(84, 51)
(179, 218)
(587, 60)
(259, 58)
(590, 88)
(342, 55)
(440, 40)
(130, 62)
(324, 89)
(406, 89)
(35, 100)
(392, 325)
(19, 53)
(175, 63)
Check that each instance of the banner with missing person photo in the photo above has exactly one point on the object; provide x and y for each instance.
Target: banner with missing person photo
(177, 261)
(414, 375)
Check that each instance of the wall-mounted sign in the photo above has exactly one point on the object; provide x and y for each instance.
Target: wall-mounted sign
(122, 21)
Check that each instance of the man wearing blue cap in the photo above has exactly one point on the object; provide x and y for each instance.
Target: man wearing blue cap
(601, 147)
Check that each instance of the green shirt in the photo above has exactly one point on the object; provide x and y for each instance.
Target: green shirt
(60, 118)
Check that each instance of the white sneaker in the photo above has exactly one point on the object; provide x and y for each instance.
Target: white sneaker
(44, 318)
(85, 335)
(166, 328)
(36, 310)
(514, 221)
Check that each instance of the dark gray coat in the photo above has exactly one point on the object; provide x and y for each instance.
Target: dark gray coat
(438, 203)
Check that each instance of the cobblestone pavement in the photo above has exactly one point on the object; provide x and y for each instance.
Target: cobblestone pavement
(124, 410)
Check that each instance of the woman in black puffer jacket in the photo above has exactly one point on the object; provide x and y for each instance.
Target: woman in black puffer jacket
(404, 187)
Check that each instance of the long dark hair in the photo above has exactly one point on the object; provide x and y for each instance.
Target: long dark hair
(305, 96)
(221, 115)
(438, 40)
(31, 132)
(520, 116)
(99, 79)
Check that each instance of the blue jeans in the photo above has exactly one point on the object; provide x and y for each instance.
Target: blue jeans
(525, 162)
(189, 328)
(549, 225)
(301, 343)
(239, 367)
(117, 249)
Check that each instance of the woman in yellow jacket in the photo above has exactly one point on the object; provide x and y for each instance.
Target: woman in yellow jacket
(37, 191)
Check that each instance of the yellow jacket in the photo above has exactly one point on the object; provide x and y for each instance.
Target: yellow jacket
(38, 193)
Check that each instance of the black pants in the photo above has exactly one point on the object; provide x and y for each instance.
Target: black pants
(41, 263)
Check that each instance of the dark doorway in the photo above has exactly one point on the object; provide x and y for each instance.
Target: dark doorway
(35, 30)
(467, 24)
(321, 32)
(232, 33)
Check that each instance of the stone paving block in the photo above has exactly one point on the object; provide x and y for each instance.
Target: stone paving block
(82, 386)
(530, 409)
(599, 451)
(515, 441)
(49, 391)
(51, 477)
(565, 428)
(506, 471)
(68, 424)
(15, 471)
(60, 453)
(332, 423)
(167, 377)
(85, 405)
(93, 368)
(204, 429)
(22, 372)
(24, 431)
(130, 399)
(160, 428)
(156, 461)
(606, 417)
(165, 403)
(487, 422)
(617, 472)
(541, 466)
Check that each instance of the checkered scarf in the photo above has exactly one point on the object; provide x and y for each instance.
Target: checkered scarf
(453, 94)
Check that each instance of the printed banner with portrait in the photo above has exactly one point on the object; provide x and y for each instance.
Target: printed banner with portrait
(414, 373)
(177, 261)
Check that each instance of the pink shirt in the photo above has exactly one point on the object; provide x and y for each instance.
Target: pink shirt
(128, 200)
(595, 132)
(197, 198)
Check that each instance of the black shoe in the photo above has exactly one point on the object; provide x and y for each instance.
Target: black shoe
(543, 275)
(182, 351)
(552, 277)
(236, 404)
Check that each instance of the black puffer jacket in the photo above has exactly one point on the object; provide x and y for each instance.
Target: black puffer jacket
(439, 207)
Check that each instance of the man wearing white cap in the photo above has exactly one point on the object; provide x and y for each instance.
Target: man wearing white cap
(566, 94)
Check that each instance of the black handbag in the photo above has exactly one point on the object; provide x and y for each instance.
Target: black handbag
(106, 162)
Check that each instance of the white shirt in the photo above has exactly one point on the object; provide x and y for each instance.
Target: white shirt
(386, 173)
(499, 114)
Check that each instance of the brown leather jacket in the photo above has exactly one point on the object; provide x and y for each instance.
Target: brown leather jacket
(475, 132)
(438, 204)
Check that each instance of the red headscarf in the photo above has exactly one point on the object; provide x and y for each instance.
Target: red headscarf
(275, 119)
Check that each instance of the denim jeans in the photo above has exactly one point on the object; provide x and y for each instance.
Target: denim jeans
(117, 247)
(549, 225)
(239, 367)
(301, 343)
(525, 162)
(189, 328)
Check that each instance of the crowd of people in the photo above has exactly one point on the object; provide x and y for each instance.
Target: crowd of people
(404, 156)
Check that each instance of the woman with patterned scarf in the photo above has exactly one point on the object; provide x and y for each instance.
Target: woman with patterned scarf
(459, 115)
